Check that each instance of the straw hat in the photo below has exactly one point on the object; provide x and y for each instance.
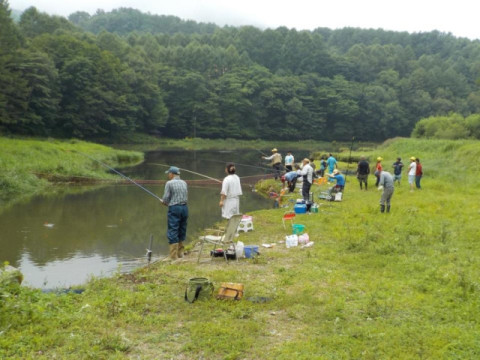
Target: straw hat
(274, 150)
(335, 172)
(379, 158)
(306, 160)
(413, 158)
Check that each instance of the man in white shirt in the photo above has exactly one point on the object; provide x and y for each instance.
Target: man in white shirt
(307, 173)
(412, 170)
(231, 190)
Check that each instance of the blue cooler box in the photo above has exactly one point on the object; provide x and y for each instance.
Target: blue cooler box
(300, 209)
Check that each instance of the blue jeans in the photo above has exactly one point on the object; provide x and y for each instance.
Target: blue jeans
(177, 223)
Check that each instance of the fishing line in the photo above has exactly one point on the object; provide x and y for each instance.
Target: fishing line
(122, 175)
(253, 166)
(190, 171)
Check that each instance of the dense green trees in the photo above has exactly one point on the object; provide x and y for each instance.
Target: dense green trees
(453, 126)
(114, 73)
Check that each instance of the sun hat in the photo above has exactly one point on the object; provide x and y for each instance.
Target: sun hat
(336, 171)
(174, 170)
(413, 158)
(379, 158)
(274, 150)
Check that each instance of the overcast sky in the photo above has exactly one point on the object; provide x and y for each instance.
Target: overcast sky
(459, 17)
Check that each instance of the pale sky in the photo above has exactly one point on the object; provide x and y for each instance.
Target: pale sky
(459, 17)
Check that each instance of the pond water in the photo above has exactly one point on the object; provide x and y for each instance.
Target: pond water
(61, 240)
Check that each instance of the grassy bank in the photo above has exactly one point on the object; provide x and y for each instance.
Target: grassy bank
(28, 164)
(402, 285)
(149, 143)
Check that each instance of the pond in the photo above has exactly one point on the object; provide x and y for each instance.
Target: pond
(61, 240)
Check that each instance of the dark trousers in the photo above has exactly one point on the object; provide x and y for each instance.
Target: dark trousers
(288, 168)
(306, 190)
(177, 223)
(417, 181)
(291, 185)
(277, 170)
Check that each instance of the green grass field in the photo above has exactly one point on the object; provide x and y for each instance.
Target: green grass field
(403, 285)
(27, 163)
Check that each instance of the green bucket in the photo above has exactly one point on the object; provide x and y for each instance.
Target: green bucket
(198, 288)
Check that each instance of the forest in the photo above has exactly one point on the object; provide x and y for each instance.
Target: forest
(111, 74)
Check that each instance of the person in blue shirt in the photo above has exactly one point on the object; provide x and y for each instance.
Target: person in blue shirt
(340, 181)
(291, 179)
(331, 163)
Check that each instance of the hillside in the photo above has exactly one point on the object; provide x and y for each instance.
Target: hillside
(167, 77)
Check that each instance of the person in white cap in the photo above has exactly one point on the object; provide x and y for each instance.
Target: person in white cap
(412, 171)
(276, 162)
(176, 197)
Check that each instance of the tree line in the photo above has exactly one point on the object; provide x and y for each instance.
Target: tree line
(111, 74)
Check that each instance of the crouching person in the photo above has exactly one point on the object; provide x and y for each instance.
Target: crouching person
(340, 182)
(385, 183)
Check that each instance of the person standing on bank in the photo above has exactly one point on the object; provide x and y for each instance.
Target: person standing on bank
(397, 170)
(385, 183)
(276, 161)
(363, 169)
(378, 168)
(176, 197)
(307, 173)
(289, 160)
(418, 173)
(412, 171)
(231, 190)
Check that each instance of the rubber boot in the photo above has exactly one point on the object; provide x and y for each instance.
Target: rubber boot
(181, 250)
(388, 208)
(382, 208)
(173, 253)
(366, 186)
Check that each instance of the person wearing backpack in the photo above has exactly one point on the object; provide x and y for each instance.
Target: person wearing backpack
(397, 170)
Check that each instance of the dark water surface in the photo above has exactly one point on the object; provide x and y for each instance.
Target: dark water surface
(62, 240)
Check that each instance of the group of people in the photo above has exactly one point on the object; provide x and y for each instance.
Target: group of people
(176, 192)
(386, 181)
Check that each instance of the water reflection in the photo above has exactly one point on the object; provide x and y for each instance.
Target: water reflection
(61, 240)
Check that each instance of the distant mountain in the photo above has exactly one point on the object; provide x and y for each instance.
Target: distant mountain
(126, 20)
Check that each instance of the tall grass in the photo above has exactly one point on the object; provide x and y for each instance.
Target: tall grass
(25, 163)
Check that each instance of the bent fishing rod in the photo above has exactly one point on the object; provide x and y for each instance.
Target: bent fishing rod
(190, 171)
(119, 173)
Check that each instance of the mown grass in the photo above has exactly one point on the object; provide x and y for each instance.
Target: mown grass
(402, 285)
(27, 163)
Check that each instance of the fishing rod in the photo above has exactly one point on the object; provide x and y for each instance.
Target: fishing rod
(253, 166)
(349, 158)
(119, 173)
(190, 171)
(261, 152)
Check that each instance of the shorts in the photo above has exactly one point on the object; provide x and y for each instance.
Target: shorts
(397, 177)
(411, 179)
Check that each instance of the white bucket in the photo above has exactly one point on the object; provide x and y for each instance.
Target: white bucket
(291, 241)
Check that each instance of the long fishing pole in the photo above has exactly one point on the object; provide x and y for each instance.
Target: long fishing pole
(190, 171)
(236, 163)
(349, 158)
(122, 175)
(261, 152)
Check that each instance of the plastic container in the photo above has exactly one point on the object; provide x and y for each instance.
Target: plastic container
(303, 239)
(300, 209)
(314, 208)
(250, 251)
(300, 201)
(297, 228)
(291, 241)
(239, 249)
